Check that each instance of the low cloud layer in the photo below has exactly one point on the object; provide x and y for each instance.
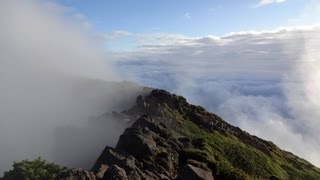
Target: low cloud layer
(264, 82)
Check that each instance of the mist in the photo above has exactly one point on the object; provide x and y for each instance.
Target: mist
(53, 75)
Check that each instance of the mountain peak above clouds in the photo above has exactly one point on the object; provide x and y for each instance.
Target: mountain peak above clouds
(172, 139)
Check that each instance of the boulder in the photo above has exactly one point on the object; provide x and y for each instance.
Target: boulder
(190, 172)
(115, 173)
(148, 122)
(111, 156)
(138, 143)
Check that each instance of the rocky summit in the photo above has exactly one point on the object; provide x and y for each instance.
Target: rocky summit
(172, 139)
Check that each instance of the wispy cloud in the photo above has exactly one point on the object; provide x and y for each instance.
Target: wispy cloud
(187, 15)
(139, 40)
(68, 12)
(268, 2)
(115, 35)
(215, 8)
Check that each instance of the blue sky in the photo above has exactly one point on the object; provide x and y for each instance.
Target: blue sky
(188, 17)
(192, 18)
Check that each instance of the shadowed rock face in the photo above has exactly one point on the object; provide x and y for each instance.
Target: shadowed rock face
(172, 139)
(190, 172)
(116, 173)
(76, 174)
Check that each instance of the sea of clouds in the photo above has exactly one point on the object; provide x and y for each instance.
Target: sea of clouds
(265, 82)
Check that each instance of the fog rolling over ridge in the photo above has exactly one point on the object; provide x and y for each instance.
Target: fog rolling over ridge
(48, 72)
(53, 76)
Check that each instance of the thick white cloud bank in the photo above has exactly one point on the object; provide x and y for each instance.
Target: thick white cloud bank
(48, 79)
(265, 82)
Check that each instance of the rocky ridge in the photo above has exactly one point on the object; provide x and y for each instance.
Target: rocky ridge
(172, 139)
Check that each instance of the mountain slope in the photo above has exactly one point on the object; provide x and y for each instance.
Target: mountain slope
(172, 139)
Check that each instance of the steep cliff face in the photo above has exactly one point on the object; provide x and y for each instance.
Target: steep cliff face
(172, 139)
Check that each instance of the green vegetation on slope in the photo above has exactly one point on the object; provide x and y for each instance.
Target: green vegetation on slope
(227, 150)
(235, 160)
(37, 169)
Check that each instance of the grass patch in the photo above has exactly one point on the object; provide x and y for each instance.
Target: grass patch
(236, 160)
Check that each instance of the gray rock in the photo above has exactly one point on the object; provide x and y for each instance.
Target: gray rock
(190, 172)
(75, 174)
(147, 122)
(111, 156)
(143, 143)
(115, 173)
(103, 168)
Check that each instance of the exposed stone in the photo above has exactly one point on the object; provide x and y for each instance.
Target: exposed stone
(103, 168)
(190, 172)
(111, 156)
(136, 142)
(75, 174)
(165, 160)
(115, 173)
(148, 122)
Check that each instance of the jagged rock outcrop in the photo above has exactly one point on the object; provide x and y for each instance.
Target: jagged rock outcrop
(151, 157)
(147, 150)
(172, 139)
